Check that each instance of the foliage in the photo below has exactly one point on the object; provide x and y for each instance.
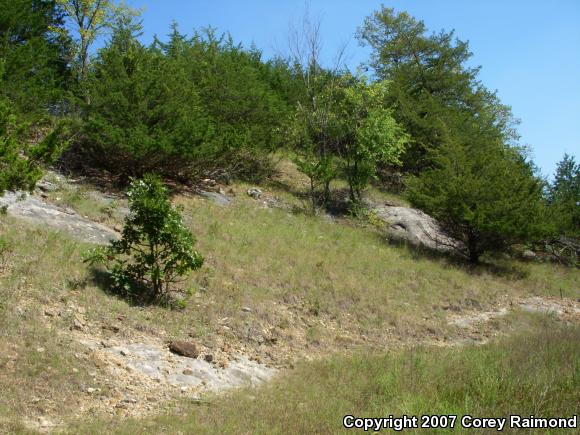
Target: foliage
(485, 195)
(431, 84)
(21, 160)
(89, 19)
(350, 130)
(370, 135)
(236, 90)
(309, 131)
(564, 197)
(144, 115)
(183, 109)
(33, 56)
(155, 249)
(310, 127)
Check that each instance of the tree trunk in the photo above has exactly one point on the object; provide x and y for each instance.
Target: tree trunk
(312, 195)
(473, 248)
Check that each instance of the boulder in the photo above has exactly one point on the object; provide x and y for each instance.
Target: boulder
(217, 198)
(184, 348)
(529, 255)
(255, 193)
(416, 227)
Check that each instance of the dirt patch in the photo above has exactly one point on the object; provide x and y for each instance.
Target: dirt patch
(473, 325)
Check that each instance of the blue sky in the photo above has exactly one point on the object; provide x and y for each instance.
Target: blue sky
(529, 50)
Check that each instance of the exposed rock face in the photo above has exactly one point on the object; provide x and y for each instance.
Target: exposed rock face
(33, 209)
(415, 227)
(217, 198)
(157, 363)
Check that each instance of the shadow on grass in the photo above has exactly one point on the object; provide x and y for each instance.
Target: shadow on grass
(137, 294)
(504, 268)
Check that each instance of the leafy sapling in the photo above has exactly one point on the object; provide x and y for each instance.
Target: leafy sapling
(155, 250)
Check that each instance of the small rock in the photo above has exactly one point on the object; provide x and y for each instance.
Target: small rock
(75, 370)
(44, 423)
(113, 328)
(40, 349)
(246, 309)
(124, 352)
(528, 255)
(46, 186)
(254, 192)
(187, 372)
(91, 390)
(78, 325)
(184, 348)
(49, 313)
(208, 358)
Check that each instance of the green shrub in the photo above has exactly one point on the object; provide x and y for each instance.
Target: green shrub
(155, 250)
(20, 160)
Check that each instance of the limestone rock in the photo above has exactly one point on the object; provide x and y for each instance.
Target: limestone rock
(416, 227)
(217, 198)
(35, 210)
(255, 193)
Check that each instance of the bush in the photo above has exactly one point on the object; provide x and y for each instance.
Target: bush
(156, 249)
(20, 160)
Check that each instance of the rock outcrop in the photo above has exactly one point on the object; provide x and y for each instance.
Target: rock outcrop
(415, 227)
(33, 209)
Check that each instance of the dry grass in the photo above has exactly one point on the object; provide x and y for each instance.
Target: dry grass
(317, 287)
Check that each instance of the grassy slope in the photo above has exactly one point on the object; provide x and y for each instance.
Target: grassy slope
(527, 374)
(322, 288)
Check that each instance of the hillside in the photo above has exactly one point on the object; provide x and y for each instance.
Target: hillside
(299, 302)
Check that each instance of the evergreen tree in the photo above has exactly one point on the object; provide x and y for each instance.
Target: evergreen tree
(34, 55)
(145, 113)
(564, 197)
(234, 91)
(89, 19)
(483, 193)
(156, 249)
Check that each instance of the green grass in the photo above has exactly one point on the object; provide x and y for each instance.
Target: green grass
(528, 373)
